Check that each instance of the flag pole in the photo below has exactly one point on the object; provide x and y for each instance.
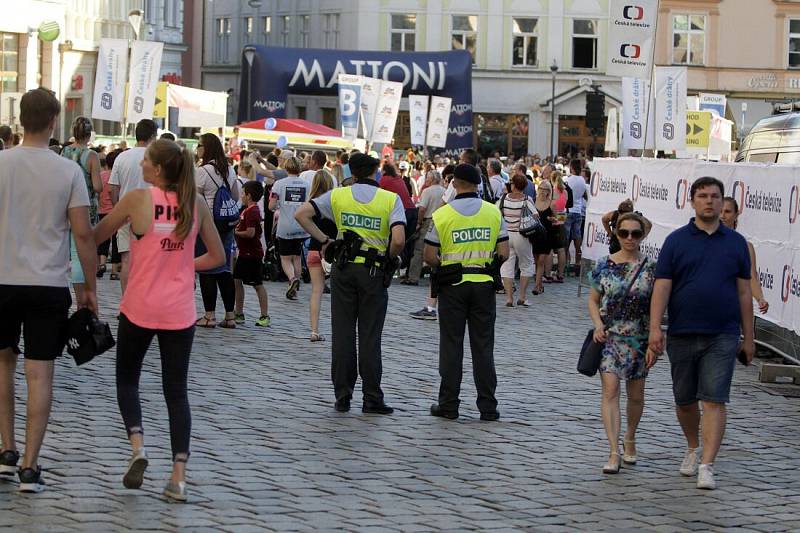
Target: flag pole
(652, 85)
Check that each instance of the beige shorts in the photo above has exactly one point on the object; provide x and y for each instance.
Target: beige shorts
(124, 239)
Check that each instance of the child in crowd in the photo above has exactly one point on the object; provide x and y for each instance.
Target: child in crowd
(248, 268)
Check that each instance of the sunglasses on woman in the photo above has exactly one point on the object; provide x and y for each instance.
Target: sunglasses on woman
(624, 233)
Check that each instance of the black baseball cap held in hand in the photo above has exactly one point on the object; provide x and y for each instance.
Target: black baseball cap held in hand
(87, 336)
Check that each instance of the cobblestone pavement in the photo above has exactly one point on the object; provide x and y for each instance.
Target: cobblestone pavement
(270, 453)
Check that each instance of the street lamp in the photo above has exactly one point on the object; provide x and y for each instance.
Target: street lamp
(554, 70)
(135, 19)
(249, 55)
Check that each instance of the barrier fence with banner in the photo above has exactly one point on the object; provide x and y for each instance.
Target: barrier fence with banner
(769, 201)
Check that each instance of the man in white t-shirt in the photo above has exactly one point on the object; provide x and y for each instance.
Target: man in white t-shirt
(574, 223)
(495, 169)
(287, 196)
(316, 161)
(126, 176)
(42, 197)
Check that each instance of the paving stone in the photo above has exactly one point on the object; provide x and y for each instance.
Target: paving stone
(270, 454)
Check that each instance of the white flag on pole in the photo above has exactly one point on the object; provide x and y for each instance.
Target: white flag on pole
(670, 131)
(370, 91)
(635, 118)
(145, 68)
(386, 112)
(439, 121)
(349, 104)
(418, 116)
(109, 83)
(612, 131)
(198, 108)
(631, 34)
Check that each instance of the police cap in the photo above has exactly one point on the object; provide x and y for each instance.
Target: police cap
(362, 165)
(467, 173)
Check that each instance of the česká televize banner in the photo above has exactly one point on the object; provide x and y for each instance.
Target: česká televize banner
(277, 72)
(370, 92)
(109, 83)
(349, 104)
(144, 77)
(631, 33)
(670, 93)
(635, 106)
(768, 197)
(438, 121)
(418, 117)
(386, 113)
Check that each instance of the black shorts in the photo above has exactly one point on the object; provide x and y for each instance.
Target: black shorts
(41, 312)
(249, 271)
(290, 246)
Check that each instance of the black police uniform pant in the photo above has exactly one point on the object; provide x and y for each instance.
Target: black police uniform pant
(468, 304)
(358, 300)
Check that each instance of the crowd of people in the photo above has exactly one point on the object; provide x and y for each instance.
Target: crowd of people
(223, 217)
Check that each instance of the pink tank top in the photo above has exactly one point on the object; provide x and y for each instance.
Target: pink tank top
(560, 205)
(160, 292)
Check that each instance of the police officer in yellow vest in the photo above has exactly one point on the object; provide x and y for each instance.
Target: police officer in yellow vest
(375, 219)
(464, 237)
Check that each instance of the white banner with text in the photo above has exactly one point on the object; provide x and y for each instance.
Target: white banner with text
(144, 78)
(109, 83)
(769, 202)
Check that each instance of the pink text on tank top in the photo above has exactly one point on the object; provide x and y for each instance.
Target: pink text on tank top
(160, 292)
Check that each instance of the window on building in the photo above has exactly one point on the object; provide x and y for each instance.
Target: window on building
(403, 33)
(525, 42)
(688, 39)
(328, 116)
(584, 44)
(171, 13)
(305, 31)
(266, 29)
(507, 134)
(465, 34)
(223, 39)
(247, 31)
(330, 30)
(149, 11)
(286, 23)
(9, 61)
(300, 111)
(794, 43)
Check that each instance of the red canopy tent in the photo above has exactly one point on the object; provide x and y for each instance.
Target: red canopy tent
(293, 125)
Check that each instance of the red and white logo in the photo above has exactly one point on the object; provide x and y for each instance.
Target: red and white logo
(633, 12)
(630, 51)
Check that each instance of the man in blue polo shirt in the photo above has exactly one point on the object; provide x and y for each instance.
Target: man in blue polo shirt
(703, 273)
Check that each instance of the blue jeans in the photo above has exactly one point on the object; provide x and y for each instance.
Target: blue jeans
(572, 228)
(702, 366)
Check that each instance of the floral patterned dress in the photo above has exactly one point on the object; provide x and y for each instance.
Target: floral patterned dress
(629, 327)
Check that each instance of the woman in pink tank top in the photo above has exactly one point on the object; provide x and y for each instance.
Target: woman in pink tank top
(159, 300)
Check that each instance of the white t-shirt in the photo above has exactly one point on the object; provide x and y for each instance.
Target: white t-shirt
(291, 193)
(578, 186)
(37, 187)
(127, 171)
(308, 177)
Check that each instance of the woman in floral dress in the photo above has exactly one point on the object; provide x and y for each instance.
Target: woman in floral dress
(622, 321)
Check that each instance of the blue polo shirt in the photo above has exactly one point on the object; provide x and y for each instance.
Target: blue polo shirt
(704, 269)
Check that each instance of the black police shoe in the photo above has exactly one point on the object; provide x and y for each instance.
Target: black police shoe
(377, 409)
(436, 410)
(342, 405)
(490, 416)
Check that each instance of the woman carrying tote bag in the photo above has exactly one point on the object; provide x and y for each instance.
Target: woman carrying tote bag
(619, 305)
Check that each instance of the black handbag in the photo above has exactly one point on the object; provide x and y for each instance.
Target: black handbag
(88, 337)
(591, 354)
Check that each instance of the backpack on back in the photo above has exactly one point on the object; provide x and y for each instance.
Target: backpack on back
(225, 209)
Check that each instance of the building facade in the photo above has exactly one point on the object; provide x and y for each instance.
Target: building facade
(68, 64)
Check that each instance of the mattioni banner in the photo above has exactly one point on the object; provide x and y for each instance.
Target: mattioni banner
(276, 72)
(768, 198)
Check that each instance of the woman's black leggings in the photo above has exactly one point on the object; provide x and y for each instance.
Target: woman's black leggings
(208, 288)
(175, 346)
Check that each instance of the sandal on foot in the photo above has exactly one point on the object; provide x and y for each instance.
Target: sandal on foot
(626, 458)
(316, 337)
(612, 468)
(206, 322)
(228, 323)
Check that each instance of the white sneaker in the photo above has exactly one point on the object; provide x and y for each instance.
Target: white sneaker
(705, 478)
(134, 476)
(689, 464)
